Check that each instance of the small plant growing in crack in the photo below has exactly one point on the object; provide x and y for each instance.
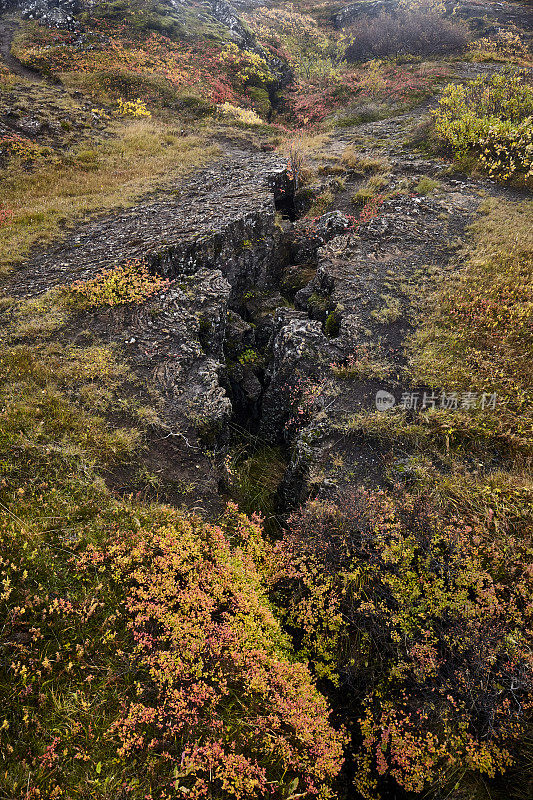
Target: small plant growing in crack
(360, 365)
(302, 396)
(129, 283)
(390, 312)
(250, 358)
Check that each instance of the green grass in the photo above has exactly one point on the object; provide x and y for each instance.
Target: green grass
(138, 156)
(478, 334)
(427, 185)
(255, 472)
(391, 311)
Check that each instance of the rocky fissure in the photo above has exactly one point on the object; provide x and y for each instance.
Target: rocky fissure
(263, 312)
(268, 307)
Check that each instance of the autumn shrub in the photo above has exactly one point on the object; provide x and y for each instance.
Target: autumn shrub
(23, 149)
(128, 283)
(405, 33)
(220, 701)
(299, 39)
(7, 78)
(117, 61)
(422, 620)
(245, 116)
(132, 108)
(370, 91)
(504, 45)
(6, 214)
(491, 118)
(151, 663)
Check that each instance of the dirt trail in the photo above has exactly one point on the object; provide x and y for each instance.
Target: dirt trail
(7, 32)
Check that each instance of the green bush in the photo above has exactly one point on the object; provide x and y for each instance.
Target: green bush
(491, 118)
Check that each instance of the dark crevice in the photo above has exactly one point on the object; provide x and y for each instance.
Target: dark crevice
(284, 199)
(248, 353)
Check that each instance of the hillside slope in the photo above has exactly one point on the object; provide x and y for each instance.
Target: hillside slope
(266, 425)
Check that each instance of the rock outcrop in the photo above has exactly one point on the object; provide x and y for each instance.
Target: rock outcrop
(347, 15)
(52, 13)
(216, 239)
(502, 12)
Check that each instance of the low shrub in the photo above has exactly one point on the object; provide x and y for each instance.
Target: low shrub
(505, 45)
(121, 83)
(421, 619)
(246, 116)
(407, 32)
(132, 108)
(129, 283)
(6, 214)
(492, 118)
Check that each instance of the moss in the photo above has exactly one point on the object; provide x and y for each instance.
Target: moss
(318, 304)
(194, 106)
(142, 16)
(296, 278)
(427, 185)
(260, 101)
(332, 324)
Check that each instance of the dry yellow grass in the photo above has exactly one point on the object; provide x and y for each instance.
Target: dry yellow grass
(140, 156)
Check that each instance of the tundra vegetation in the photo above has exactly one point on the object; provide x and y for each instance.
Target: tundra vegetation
(374, 641)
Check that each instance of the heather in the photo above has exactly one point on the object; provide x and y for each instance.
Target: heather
(367, 93)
